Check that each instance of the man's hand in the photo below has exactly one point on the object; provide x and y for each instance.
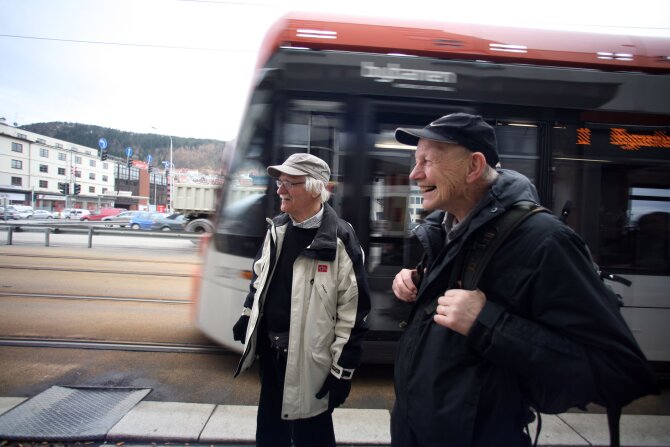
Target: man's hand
(240, 328)
(338, 390)
(404, 287)
(458, 309)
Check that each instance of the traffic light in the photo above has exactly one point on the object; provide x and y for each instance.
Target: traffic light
(130, 162)
(103, 155)
(64, 188)
(167, 173)
(77, 188)
(150, 168)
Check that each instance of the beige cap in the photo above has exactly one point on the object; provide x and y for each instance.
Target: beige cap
(302, 164)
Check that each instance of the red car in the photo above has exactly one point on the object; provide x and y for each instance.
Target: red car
(102, 213)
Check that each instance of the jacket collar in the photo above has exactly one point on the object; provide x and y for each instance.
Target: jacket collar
(324, 245)
(509, 188)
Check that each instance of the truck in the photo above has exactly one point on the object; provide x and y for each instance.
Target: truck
(197, 202)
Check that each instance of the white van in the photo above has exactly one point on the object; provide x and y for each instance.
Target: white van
(75, 213)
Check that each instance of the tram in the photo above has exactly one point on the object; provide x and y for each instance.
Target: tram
(584, 116)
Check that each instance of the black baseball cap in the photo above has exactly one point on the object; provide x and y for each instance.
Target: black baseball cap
(470, 131)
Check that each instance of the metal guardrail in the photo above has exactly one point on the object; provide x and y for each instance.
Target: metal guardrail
(89, 228)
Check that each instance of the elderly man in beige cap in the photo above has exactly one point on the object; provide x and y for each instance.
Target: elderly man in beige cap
(305, 312)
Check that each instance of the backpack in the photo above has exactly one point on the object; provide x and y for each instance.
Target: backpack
(471, 267)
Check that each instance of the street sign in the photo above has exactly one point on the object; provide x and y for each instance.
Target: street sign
(149, 158)
(102, 143)
(129, 151)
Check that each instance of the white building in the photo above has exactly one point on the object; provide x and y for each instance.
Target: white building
(34, 170)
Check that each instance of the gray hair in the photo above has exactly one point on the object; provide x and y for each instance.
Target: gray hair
(314, 186)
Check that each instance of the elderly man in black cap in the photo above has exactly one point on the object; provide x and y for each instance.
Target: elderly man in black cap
(536, 321)
(305, 312)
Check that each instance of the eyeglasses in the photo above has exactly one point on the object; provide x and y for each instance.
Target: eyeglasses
(287, 185)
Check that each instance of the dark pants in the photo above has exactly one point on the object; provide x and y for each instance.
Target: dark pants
(271, 429)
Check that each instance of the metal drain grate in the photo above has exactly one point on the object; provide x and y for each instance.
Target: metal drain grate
(69, 413)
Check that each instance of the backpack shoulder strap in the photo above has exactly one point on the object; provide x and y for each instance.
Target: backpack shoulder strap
(488, 241)
(470, 262)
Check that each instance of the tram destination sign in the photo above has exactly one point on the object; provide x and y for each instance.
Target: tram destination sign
(623, 142)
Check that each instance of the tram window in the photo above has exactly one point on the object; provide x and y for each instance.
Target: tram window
(621, 201)
(307, 131)
(649, 215)
(241, 223)
(390, 195)
(313, 127)
(518, 148)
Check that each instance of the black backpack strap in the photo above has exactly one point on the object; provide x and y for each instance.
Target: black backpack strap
(613, 416)
(470, 263)
(488, 242)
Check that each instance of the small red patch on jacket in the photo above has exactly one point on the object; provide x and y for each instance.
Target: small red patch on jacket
(322, 268)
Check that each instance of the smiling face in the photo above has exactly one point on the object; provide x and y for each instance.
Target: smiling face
(440, 172)
(297, 202)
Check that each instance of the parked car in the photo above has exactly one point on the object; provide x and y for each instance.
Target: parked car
(173, 222)
(42, 214)
(8, 213)
(143, 220)
(22, 211)
(101, 214)
(75, 213)
(122, 219)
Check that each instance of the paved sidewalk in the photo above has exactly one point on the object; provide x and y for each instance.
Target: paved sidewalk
(162, 422)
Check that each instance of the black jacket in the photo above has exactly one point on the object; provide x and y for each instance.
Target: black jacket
(543, 327)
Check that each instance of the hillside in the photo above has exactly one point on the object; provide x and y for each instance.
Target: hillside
(191, 153)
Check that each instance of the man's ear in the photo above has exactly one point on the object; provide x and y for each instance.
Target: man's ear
(476, 166)
(317, 193)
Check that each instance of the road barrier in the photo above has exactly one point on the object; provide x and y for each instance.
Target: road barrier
(90, 228)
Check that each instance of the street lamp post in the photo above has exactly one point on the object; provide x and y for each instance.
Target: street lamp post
(171, 179)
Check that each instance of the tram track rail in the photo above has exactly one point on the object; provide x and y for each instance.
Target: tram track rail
(91, 297)
(94, 270)
(152, 260)
(109, 345)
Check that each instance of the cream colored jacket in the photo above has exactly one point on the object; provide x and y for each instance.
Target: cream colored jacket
(330, 302)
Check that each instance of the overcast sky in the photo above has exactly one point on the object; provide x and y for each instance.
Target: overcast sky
(184, 66)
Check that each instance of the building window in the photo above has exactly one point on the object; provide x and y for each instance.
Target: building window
(77, 174)
(62, 156)
(91, 163)
(91, 189)
(104, 190)
(105, 166)
(61, 171)
(17, 164)
(105, 178)
(17, 181)
(77, 160)
(44, 168)
(44, 184)
(59, 145)
(21, 135)
(44, 152)
(17, 147)
(42, 141)
(91, 175)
